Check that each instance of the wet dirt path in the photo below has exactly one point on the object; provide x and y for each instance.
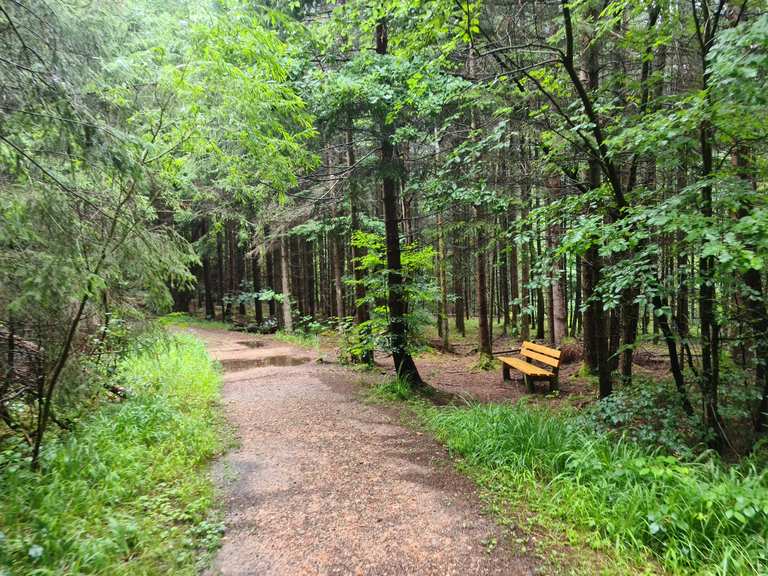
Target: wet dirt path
(324, 484)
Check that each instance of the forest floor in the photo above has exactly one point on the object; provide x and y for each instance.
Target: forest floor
(457, 373)
(324, 482)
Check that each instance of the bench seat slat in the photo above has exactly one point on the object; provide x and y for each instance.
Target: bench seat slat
(525, 367)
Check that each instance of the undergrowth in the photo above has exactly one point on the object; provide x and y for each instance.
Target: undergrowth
(127, 492)
(303, 339)
(393, 390)
(182, 320)
(693, 517)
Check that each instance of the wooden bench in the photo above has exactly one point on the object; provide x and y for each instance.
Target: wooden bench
(549, 357)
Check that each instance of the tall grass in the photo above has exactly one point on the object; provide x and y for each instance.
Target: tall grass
(696, 517)
(393, 390)
(298, 338)
(127, 492)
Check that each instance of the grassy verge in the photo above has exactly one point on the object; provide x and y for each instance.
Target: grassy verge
(128, 491)
(645, 508)
(691, 517)
(302, 339)
(181, 320)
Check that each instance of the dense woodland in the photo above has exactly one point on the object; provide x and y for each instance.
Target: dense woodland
(589, 174)
(575, 170)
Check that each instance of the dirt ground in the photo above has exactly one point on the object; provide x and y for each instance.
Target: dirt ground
(323, 483)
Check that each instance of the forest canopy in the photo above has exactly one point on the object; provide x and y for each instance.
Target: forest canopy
(588, 171)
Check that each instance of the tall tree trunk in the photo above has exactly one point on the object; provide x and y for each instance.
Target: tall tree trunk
(210, 310)
(504, 282)
(230, 271)
(481, 281)
(309, 278)
(457, 274)
(271, 272)
(710, 329)
(559, 319)
(514, 283)
(525, 249)
(404, 364)
(358, 253)
(540, 306)
(256, 280)
(442, 263)
(220, 271)
(240, 267)
(595, 328)
(286, 282)
(753, 297)
(338, 264)
(576, 317)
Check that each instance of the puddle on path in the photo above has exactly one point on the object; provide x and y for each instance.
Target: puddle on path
(251, 343)
(237, 364)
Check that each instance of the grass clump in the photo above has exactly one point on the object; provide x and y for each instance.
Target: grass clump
(395, 390)
(298, 338)
(182, 320)
(695, 517)
(127, 492)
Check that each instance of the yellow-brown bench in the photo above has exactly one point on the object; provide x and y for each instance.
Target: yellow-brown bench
(543, 355)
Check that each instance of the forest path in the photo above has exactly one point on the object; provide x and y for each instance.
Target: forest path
(325, 484)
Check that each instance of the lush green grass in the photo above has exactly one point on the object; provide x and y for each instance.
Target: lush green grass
(692, 517)
(182, 320)
(304, 339)
(128, 491)
(391, 391)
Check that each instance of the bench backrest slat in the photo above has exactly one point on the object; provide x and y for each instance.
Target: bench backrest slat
(543, 354)
(548, 360)
(552, 352)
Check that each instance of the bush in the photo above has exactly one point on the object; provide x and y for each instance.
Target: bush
(127, 491)
(694, 517)
(650, 412)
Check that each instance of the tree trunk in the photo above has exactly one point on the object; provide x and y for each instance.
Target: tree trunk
(404, 364)
(361, 307)
(220, 271)
(338, 265)
(481, 286)
(256, 279)
(559, 307)
(286, 283)
(442, 257)
(210, 310)
(457, 274)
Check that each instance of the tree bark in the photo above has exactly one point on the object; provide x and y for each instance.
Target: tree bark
(404, 364)
(210, 309)
(286, 283)
(256, 279)
(361, 307)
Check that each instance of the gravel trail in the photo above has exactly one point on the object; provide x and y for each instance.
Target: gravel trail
(324, 484)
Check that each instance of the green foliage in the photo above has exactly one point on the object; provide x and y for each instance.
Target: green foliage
(182, 320)
(419, 288)
(127, 491)
(299, 338)
(650, 413)
(487, 362)
(692, 516)
(395, 390)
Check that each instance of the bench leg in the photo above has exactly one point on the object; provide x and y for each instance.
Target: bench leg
(554, 383)
(529, 382)
(505, 377)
